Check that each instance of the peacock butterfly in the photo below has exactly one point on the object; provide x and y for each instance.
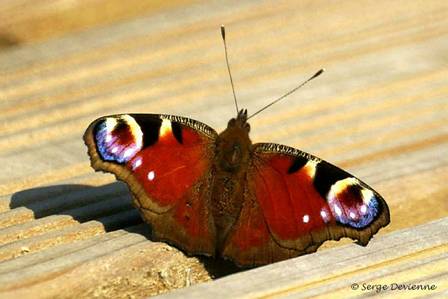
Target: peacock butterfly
(221, 195)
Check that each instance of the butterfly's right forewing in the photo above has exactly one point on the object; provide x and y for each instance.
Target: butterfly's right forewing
(294, 202)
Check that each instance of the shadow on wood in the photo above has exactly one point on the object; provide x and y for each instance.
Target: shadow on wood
(109, 205)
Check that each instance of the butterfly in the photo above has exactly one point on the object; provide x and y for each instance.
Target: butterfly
(222, 195)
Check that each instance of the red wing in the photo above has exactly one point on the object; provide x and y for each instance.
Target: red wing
(166, 162)
(294, 202)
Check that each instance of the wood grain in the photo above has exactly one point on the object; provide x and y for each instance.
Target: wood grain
(347, 271)
(379, 111)
(25, 21)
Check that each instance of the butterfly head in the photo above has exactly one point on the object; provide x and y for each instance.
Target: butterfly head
(240, 122)
(233, 144)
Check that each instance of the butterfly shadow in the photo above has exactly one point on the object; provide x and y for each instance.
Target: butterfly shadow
(108, 204)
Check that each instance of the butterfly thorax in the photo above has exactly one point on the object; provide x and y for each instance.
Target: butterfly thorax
(233, 147)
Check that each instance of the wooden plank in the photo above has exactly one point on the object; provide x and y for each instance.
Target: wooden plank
(379, 111)
(33, 21)
(414, 256)
(120, 263)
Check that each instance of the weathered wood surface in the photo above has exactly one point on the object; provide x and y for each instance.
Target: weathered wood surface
(29, 21)
(380, 111)
(348, 271)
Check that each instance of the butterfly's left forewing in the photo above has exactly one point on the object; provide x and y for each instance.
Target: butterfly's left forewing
(166, 162)
(294, 202)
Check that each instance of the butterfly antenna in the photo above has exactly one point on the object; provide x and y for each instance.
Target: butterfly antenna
(223, 34)
(318, 73)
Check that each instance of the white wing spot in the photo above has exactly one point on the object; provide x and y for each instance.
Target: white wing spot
(363, 209)
(352, 215)
(323, 214)
(337, 210)
(128, 153)
(151, 175)
(137, 163)
(306, 218)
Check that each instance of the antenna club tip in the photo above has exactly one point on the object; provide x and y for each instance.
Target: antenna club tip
(223, 32)
(317, 74)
